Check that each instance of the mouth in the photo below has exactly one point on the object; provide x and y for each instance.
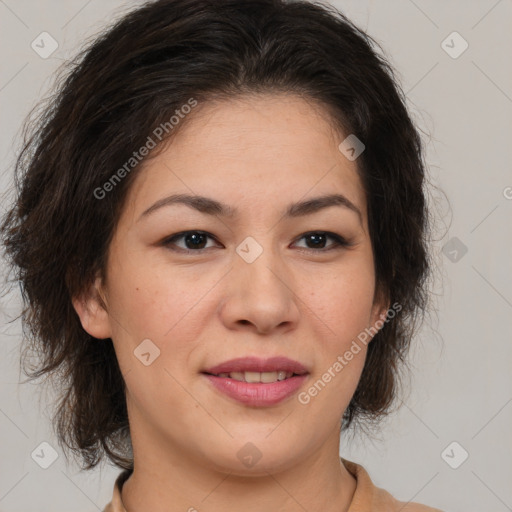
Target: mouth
(256, 377)
(254, 369)
(257, 382)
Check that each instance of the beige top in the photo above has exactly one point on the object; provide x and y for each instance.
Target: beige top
(367, 497)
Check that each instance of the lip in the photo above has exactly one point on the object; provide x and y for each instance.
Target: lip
(254, 364)
(257, 394)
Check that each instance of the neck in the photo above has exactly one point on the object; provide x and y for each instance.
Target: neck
(172, 480)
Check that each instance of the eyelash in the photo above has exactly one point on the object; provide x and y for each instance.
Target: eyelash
(339, 241)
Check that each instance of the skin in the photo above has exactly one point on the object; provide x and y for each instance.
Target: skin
(257, 154)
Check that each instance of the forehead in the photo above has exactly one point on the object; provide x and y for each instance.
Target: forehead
(264, 149)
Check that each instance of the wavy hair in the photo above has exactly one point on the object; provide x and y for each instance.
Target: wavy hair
(125, 84)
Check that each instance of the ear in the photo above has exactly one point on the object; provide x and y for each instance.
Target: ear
(379, 315)
(379, 312)
(91, 307)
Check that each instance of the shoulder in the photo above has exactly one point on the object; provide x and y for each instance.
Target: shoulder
(368, 497)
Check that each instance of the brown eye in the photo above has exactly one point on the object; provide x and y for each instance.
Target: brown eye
(192, 240)
(316, 241)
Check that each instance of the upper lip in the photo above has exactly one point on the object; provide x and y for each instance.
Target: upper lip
(254, 364)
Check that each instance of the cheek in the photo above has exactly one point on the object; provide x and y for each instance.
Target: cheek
(169, 310)
(150, 302)
(156, 322)
(343, 302)
(342, 310)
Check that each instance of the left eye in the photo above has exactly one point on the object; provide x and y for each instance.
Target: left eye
(196, 241)
(319, 238)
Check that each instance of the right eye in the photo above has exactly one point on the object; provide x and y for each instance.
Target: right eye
(194, 241)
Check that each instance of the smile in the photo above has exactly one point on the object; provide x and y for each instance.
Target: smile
(257, 393)
(255, 377)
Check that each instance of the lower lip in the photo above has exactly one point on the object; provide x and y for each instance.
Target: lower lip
(257, 394)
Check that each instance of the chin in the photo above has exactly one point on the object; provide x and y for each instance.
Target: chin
(254, 456)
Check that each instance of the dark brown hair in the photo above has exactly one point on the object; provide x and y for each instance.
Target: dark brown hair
(118, 91)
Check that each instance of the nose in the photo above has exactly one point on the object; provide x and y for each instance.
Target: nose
(260, 296)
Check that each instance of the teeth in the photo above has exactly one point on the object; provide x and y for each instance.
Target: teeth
(254, 377)
(281, 375)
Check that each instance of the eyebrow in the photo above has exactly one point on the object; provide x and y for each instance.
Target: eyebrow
(210, 206)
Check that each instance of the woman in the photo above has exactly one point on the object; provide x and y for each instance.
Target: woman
(220, 234)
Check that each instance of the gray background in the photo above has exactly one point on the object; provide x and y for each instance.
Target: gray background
(461, 385)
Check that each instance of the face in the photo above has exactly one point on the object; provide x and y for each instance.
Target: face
(277, 262)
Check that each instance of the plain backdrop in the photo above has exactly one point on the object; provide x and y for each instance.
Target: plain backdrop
(459, 405)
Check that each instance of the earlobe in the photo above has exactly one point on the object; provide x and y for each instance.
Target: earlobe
(379, 317)
(383, 313)
(91, 308)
